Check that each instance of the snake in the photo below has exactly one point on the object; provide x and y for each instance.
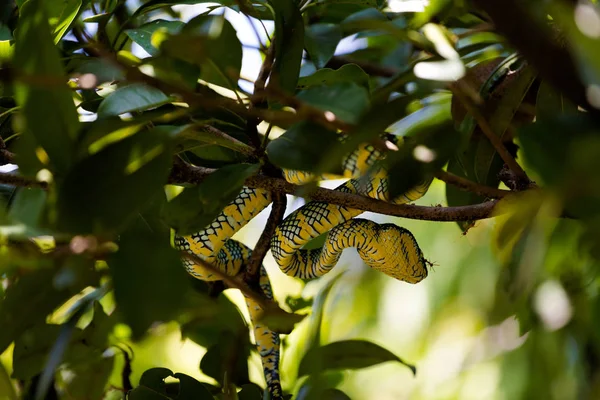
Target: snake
(387, 248)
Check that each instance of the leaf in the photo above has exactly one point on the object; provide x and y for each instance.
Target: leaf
(346, 100)
(61, 15)
(211, 43)
(50, 118)
(250, 391)
(156, 4)
(347, 73)
(103, 191)
(143, 34)
(320, 41)
(348, 354)
(289, 45)
(90, 378)
(161, 294)
(198, 206)
(28, 301)
(28, 206)
(297, 148)
(144, 393)
(228, 359)
(131, 98)
(551, 103)
(280, 321)
(154, 378)
(191, 389)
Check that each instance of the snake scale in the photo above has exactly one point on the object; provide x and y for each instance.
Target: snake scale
(384, 247)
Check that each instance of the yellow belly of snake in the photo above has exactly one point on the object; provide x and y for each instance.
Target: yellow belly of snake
(386, 247)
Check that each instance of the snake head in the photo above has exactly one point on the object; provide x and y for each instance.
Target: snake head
(398, 254)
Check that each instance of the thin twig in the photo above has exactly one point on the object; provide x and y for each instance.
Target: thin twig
(230, 281)
(185, 173)
(489, 133)
(264, 242)
(470, 186)
(21, 181)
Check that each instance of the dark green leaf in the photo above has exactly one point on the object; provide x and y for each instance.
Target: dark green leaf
(211, 43)
(250, 391)
(348, 354)
(175, 71)
(90, 378)
(198, 206)
(191, 389)
(161, 294)
(49, 113)
(346, 100)
(347, 73)
(154, 378)
(303, 146)
(131, 98)
(289, 45)
(551, 103)
(144, 393)
(228, 357)
(143, 34)
(109, 187)
(320, 41)
(28, 206)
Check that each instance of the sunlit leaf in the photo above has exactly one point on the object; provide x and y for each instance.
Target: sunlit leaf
(130, 98)
(347, 73)
(348, 354)
(143, 34)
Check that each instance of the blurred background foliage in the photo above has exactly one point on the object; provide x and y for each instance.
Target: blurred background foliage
(94, 303)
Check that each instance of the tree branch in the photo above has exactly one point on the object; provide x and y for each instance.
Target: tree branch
(489, 133)
(470, 186)
(17, 180)
(230, 281)
(185, 173)
(264, 242)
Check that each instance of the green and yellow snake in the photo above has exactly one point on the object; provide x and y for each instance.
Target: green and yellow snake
(386, 247)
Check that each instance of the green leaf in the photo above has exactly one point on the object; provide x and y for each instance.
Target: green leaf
(347, 73)
(49, 115)
(289, 45)
(191, 389)
(220, 358)
(211, 43)
(28, 206)
(320, 41)
(28, 301)
(61, 15)
(154, 378)
(143, 34)
(156, 4)
(346, 100)
(144, 393)
(250, 391)
(297, 148)
(103, 191)
(131, 98)
(551, 103)
(348, 354)
(160, 295)
(198, 206)
(90, 378)
(280, 321)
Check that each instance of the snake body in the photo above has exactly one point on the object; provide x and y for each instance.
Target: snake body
(384, 247)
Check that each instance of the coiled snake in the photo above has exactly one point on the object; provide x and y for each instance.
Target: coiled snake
(386, 247)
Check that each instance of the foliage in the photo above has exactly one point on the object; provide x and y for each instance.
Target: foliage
(128, 119)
